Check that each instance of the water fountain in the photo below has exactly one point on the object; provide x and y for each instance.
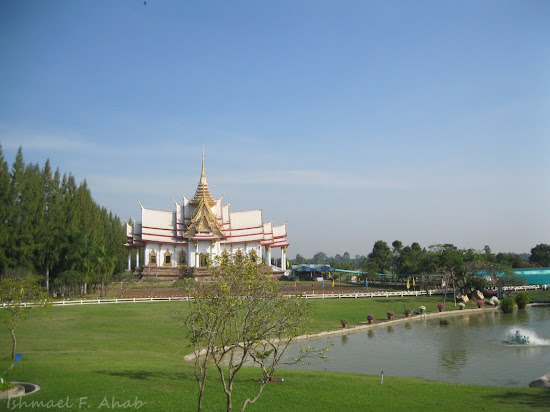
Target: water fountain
(518, 339)
(524, 337)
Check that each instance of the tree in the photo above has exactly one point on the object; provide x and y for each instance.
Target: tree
(300, 260)
(39, 215)
(6, 210)
(381, 256)
(396, 253)
(106, 263)
(242, 316)
(151, 283)
(18, 296)
(320, 258)
(507, 278)
(125, 279)
(512, 259)
(450, 264)
(540, 255)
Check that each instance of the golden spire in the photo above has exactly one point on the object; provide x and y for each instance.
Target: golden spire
(203, 175)
(203, 193)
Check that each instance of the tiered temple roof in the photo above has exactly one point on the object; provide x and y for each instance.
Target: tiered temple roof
(204, 218)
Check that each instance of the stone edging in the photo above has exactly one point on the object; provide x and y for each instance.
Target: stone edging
(366, 326)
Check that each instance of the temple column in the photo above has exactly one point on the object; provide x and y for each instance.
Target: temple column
(197, 262)
(129, 259)
(212, 246)
(283, 258)
(137, 258)
(268, 255)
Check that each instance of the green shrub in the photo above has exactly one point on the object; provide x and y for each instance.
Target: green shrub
(508, 305)
(6, 385)
(344, 322)
(522, 299)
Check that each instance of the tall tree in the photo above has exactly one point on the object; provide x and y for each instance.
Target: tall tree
(6, 209)
(52, 229)
(380, 256)
(540, 255)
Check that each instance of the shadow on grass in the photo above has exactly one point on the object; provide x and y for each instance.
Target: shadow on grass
(148, 375)
(539, 398)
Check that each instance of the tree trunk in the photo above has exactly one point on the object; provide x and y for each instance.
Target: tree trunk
(48, 277)
(14, 343)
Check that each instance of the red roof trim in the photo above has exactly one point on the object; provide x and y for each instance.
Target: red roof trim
(157, 228)
(153, 234)
(249, 228)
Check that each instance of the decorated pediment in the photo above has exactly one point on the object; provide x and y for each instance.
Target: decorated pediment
(204, 222)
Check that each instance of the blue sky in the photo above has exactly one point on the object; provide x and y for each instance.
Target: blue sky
(354, 121)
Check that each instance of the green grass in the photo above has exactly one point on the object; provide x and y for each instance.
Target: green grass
(94, 353)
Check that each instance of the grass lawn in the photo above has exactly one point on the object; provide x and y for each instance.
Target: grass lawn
(86, 355)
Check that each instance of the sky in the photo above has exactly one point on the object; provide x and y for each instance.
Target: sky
(353, 121)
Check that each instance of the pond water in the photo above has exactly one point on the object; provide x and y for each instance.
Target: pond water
(470, 349)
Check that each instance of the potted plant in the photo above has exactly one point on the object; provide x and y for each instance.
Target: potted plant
(461, 305)
(408, 312)
(479, 303)
(422, 309)
(440, 306)
(390, 314)
(344, 322)
(370, 318)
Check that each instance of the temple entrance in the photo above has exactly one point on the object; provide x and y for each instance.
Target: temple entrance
(182, 258)
(204, 260)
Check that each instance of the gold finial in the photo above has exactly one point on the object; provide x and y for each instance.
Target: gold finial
(203, 175)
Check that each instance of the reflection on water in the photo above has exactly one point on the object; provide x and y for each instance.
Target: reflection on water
(345, 339)
(468, 350)
(451, 362)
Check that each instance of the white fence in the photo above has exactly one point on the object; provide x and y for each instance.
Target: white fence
(355, 295)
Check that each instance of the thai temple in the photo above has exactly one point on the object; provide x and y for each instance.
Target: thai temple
(199, 230)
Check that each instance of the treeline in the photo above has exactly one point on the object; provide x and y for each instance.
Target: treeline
(51, 226)
(414, 259)
(463, 270)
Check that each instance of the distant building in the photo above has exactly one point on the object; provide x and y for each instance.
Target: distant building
(199, 230)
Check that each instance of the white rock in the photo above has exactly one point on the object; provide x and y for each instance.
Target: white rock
(542, 382)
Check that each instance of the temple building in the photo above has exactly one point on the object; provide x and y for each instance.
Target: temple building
(199, 230)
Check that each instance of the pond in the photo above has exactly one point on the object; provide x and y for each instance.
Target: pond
(470, 349)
